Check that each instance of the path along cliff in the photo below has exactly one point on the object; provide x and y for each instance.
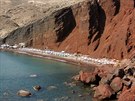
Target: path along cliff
(99, 28)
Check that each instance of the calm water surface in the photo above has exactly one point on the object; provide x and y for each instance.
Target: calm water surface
(15, 71)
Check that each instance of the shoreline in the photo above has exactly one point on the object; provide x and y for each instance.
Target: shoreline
(70, 60)
(49, 57)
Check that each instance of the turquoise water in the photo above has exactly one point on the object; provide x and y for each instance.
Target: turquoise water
(15, 71)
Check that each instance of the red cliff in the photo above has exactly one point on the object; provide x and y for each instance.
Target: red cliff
(99, 28)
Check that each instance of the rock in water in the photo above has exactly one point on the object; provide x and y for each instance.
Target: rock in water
(23, 93)
(37, 87)
(76, 77)
(103, 91)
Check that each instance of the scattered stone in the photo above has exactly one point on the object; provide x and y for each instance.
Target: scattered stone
(64, 98)
(116, 84)
(76, 77)
(103, 91)
(33, 75)
(23, 93)
(5, 94)
(73, 92)
(71, 84)
(37, 87)
(80, 95)
(51, 87)
(127, 82)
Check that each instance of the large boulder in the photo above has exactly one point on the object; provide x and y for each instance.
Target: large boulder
(103, 91)
(116, 84)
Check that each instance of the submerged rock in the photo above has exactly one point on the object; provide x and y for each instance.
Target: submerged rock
(64, 98)
(23, 93)
(76, 77)
(5, 93)
(33, 75)
(71, 84)
(73, 91)
(51, 87)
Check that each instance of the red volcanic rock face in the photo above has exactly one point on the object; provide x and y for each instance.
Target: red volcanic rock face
(128, 95)
(106, 29)
(111, 82)
(118, 37)
(109, 33)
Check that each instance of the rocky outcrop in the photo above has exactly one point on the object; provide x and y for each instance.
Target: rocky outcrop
(99, 28)
(113, 82)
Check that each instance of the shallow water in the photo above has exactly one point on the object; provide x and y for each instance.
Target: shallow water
(15, 71)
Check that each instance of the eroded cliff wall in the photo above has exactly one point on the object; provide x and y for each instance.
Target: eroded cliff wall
(100, 28)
